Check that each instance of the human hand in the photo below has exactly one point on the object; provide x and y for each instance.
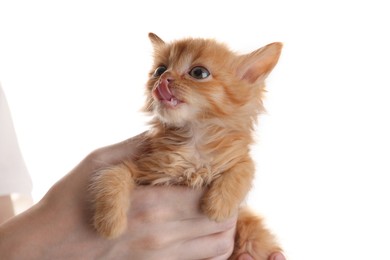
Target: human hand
(164, 222)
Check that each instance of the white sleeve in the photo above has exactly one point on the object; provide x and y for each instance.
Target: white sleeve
(14, 177)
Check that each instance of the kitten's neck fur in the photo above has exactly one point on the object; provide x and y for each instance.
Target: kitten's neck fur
(207, 137)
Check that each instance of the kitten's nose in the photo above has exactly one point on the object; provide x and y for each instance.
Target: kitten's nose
(165, 81)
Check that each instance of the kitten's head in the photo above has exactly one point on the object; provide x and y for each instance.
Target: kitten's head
(194, 80)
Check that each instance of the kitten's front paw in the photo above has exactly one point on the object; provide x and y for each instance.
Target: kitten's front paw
(110, 193)
(217, 207)
(110, 224)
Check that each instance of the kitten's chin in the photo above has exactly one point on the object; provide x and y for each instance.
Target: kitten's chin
(174, 113)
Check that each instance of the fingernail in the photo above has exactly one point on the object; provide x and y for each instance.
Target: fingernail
(278, 256)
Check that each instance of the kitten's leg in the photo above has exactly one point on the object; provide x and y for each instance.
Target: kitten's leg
(253, 238)
(226, 193)
(111, 190)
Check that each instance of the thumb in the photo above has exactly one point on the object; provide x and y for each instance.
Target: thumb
(131, 148)
(245, 257)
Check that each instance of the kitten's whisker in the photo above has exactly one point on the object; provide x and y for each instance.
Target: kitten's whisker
(151, 104)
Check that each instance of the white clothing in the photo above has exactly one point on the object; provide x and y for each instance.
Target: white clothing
(14, 177)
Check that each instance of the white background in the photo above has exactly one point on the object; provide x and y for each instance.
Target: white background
(74, 73)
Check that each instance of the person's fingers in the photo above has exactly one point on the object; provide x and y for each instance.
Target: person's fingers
(217, 246)
(171, 202)
(177, 208)
(182, 238)
(203, 226)
(176, 204)
(245, 257)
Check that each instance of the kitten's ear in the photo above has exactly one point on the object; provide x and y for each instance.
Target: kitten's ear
(156, 41)
(255, 66)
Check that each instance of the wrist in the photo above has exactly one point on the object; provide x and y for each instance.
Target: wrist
(22, 236)
(47, 231)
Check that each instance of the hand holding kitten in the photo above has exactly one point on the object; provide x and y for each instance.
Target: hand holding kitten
(162, 221)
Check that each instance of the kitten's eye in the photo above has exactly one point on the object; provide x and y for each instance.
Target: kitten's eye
(199, 73)
(160, 70)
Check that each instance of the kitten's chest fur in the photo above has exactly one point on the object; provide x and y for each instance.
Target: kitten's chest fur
(189, 156)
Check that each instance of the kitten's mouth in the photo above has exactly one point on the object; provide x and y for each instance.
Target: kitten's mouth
(165, 95)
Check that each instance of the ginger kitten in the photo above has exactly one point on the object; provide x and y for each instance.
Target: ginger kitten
(205, 100)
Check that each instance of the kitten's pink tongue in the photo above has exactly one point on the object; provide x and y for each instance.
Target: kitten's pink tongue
(164, 91)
